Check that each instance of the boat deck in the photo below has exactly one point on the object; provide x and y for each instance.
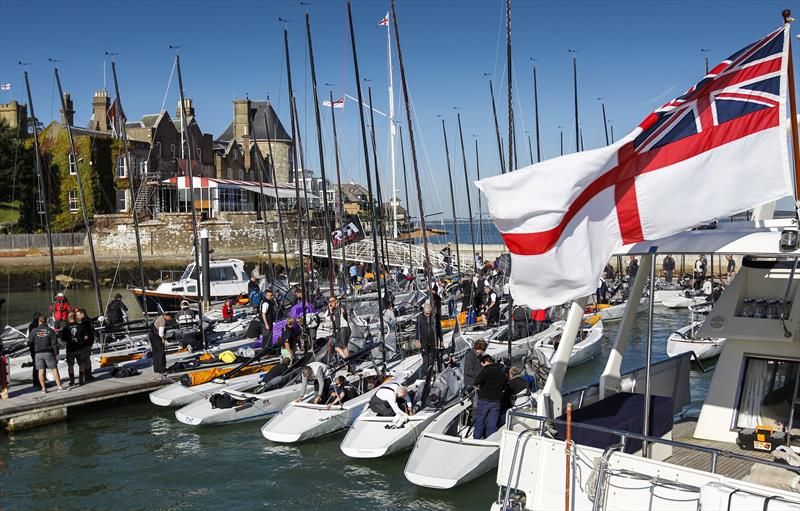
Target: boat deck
(729, 467)
(26, 407)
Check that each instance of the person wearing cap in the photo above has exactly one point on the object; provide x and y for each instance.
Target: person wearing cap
(115, 313)
(491, 383)
(60, 310)
(185, 315)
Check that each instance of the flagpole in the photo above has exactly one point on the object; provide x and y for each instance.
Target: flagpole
(536, 111)
(793, 109)
(575, 90)
(605, 122)
(340, 202)
(392, 128)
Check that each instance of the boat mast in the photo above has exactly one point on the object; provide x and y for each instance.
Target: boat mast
(409, 119)
(123, 132)
(408, 203)
(376, 261)
(575, 92)
(512, 152)
(605, 122)
(469, 200)
(295, 137)
(452, 195)
(536, 114)
(277, 201)
(392, 127)
(497, 130)
(74, 161)
(44, 195)
(381, 211)
(186, 143)
(480, 208)
(331, 268)
(340, 202)
(306, 203)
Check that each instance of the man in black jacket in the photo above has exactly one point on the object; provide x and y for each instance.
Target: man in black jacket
(85, 336)
(669, 267)
(115, 313)
(44, 342)
(427, 336)
(467, 294)
(472, 362)
(491, 383)
(69, 337)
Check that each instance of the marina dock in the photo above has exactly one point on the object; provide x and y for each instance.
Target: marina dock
(27, 408)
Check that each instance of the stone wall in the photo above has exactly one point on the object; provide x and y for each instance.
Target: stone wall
(171, 234)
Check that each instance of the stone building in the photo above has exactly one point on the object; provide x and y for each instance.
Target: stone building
(355, 198)
(256, 122)
(15, 114)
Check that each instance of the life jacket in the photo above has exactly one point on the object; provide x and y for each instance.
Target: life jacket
(255, 298)
(227, 311)
(61, 309)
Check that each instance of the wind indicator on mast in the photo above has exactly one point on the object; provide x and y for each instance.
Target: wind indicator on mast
(605, 122)
(575, 91)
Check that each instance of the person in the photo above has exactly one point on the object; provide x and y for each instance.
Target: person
(467, 294)
(321, 383)
(34, 373)
(115, 313)
(491, 306)
(699, 271)
(490, 382)
(437, 304)
(518, 392)
(185, 315)
(633, 268)
(45, 348)
(472, 362)
(447, 257)
(731, 270)
(60, 310)
(252, 285)
(539, 317)
(227, 310)
(601, 293)
(609, 270)
(289, 339)
(353, 274)
(336, 323)
(668, 265)
(298, 295)
(268, 311)
(426, 336)
(85, 335)
(384, 403)
(69, 338)
(157, 338)
(390, 316)
(255, 330)
(478, 260)
(342, 391)
(276, 370)
(520, 322)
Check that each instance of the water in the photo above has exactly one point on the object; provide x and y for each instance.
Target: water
(491, 236)
(133, 455)
(20, 305)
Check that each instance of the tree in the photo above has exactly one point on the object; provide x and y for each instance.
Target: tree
(18, 173)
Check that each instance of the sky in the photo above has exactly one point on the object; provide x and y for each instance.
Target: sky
(636, 55)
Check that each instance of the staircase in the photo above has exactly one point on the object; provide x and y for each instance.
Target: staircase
(150, 181)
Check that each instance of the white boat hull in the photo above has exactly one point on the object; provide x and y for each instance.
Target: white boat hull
(683, 342)
(179, 395)
(201, 413)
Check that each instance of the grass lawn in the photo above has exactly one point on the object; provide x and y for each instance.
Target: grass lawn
(9, 212)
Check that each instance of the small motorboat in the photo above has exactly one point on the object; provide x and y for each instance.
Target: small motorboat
(300, 421)
(685, 340)
(587, 345)
(374, 436)
(612, 312)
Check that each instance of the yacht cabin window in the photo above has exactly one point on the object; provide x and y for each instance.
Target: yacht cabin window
(217, 273)
(767, 391)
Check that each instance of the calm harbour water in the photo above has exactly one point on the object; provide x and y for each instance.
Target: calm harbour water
(133, 455)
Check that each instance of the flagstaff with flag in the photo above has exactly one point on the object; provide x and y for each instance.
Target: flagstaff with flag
(384, 22)
(715, 151)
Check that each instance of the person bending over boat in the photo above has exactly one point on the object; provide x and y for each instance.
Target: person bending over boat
(387, 400)
(490, 382)
(45, 348)
(321, 384)
(472, 362)
(342, 391)
(276, 370)
(290, 339)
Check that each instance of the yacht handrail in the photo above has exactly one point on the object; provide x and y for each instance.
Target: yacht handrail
(625, 435)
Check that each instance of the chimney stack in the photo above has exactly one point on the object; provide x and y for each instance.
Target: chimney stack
(100, 106)
(189, 109)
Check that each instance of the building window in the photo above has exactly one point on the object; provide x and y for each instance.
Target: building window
(122, 168)
(251, 176)
(73, 168)
(199, 154)
(172, 150)
(72, 200)
(766, 393)
(241, 175)
(122, 200)
(235, 156)
(157, 147)
(228, 173)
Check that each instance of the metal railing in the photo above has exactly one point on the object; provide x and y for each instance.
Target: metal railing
(545, 425)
